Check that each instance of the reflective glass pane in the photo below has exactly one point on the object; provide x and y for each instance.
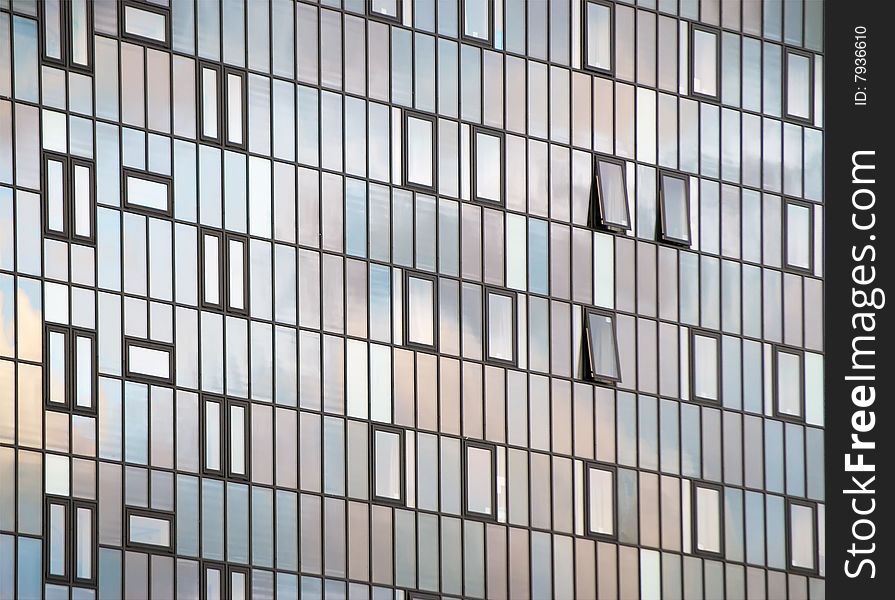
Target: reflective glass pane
(419, 151)
(798, 85)
(475, 19)
(705, 367)
(798, 236)
(144, 23)
(55, 195)
(388, 465)
(613, 194)
(500, 327)
(601, 338)
(801, 519)
(210, 103)
(421, 302)
(487, 166)
(601, 501)
(57, 541)
(708, 519)
(675, 209)
(212, 436)
(599, 41)
(705, 63)
(150, 530)
(84, 372)
(237, 439)
(84, 540)
(789, 383)
(479, 480)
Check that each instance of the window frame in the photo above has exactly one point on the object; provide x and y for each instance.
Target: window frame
(433, 120)
(221, 567)
(777, 349)
(45, 157)
(226, 447)
(474, 132)
(431, 277)
(486, 322)
(694, 332)
(397, 20)
(401, 501)
(152, 514)
(598, 219)
(464, 467)
(131, 375)
(694, 27)
(168, 182)
(234, 568)
(65, 38)
(145, 6)
(68, 529)
(201, 66)
(221, 267)
(695, 484)
(787, 50)
(461, 26)
(790, 539)
(71, 369)
(584, 38)
(203, 436)
(227, 71)
(588, 530)
(787, 201)
(226, 298)
(686, 243)
(72, 215)
(593, 376)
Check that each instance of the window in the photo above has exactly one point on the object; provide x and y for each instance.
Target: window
(147, 192)
(799, 77)
(388, 465)
(388, 10)
(235, 108)
(209, 94)
(237, 267)
(224, 266)
(214, 580)
(611, 195)
(420, 310)
(419, 145)
(802, 538)
(149, 361)
(225, 427)
(500, 343)
(704, 62)
(479, 470)
(708, 519)
(212, 427)
(476, 15)
(705, 367)
(145, 22)
(222, 105)
(789, 390)
(68, 33)
(674, 209)
(240, 580)
(598, 36)
(69, 198)
(238, 441)
(602, 346)
(487, 160)
(600, 500)
(71, 535)
(151, 530)
(70, 375)
(799, 220)
(212, 259)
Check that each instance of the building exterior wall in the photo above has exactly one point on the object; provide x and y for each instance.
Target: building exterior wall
(411, 300)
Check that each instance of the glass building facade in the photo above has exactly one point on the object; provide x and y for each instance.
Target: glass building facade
(410, 300)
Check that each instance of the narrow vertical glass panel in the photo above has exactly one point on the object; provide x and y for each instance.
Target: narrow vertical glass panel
(237, 439)
(84, 543)
(675, 209)
(82, 205)
(421, 317)
(388, 465)
(705, 367)
(213, 584)
(234, 109)
(479, 480)
(145, 24)
(801, 521)
(236, 285)
(210, 103)
(708, 519)
(212, 284)
(613, 194)
(386, 8)
(705, 62)
(798, 236)
(53, 29)
(212, 436)
(84, 371)
(798, 85)
(500, 326)
(476, 19)
(57, 541)
(419, 151)
(789, 383)
(600, 501)
(237, 585)
(602, 346)
(488, 166)
(58, 355)
(55, 194)
(598, 36)
(79, 34)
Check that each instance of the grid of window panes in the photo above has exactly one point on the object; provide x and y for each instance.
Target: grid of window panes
(399, 299)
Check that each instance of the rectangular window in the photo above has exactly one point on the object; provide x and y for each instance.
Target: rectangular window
(57, 360)
(238, 441)
(419, 151)
(802, 538)
(212, 267)
(214, 581)
(83, 542)
(704, 62)
(674, 209)
(789, 392)
(799, 77)
(705, 365)
(500, 342)
(150, 530)
(222, 105)
(68, 33)
(388, 465)
(237, 269)
(235, 111)
(209, 102)
(70, 379)
(145, 22)
(708, 518)
(598, 36)
(480, 471)
(600, 500)
(602, 346)
(240, 583)
(212, 428)
(147, 192)
(610, 195)
(388, 10)
(149, 361)
(487, 160)
(799, 220)
(477, 18)
(58, 539)
(69, 198)
(420, 310)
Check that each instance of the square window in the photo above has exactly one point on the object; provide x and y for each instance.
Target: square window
(387, 10)
(799, 77)
(388, 465)
(704, 62)
(602, 346)
(487, 160)
(610, 193)
(420, 306)
(802, 536)
(598, 36)
(600, 500)
(477, 19)
(479, 471)
(789, 390)
(419, 151)
(799, 227)
(500, 341)
(705, 366)
(674, 207)
(708, 519)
